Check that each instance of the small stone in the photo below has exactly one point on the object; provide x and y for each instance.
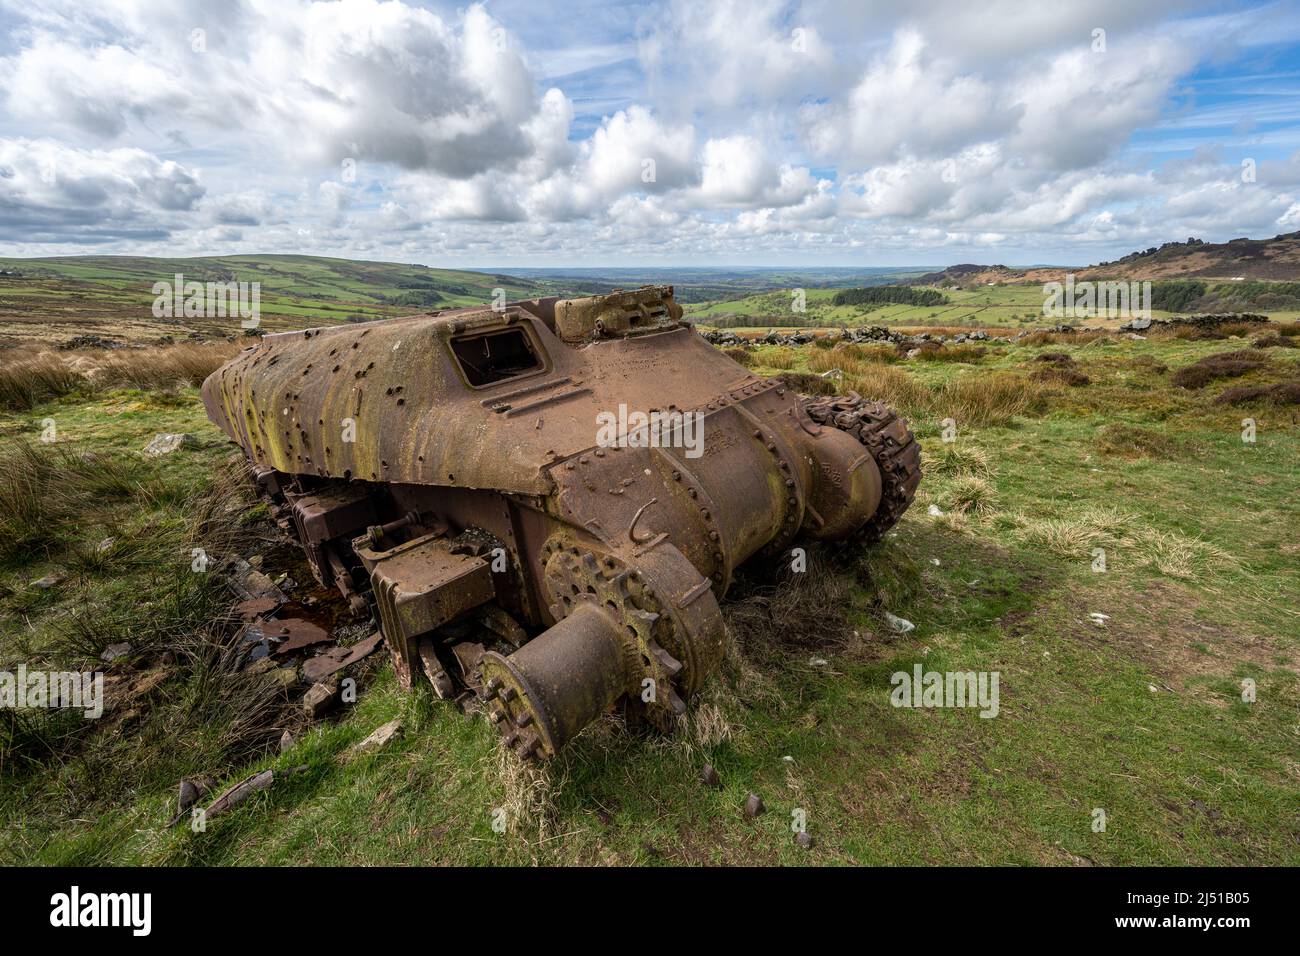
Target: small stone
(114, 651)
(286, 741)
(105, 546)
(710, 777)
(259, 584)
(285, 676)
(167, 444)
(47, 582)
(899, 625)
(804, 839)
(380, 737)
(319, 699)
(754, 805)
(189, 794)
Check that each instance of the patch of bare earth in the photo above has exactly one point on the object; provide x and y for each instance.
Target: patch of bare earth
(1159, 627)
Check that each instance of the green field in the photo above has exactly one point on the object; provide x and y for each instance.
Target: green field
(1140, 716)
(111, 295)
(997, 306)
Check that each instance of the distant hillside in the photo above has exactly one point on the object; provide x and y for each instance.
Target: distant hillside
(1276, 259)
(112, 296)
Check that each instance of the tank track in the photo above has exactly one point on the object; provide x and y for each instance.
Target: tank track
(891, 443)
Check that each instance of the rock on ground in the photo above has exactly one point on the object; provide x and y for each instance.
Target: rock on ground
(167, 444)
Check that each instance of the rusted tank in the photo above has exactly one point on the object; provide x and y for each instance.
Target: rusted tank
(545, 502)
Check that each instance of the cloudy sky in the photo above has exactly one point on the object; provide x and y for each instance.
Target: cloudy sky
(831, 132)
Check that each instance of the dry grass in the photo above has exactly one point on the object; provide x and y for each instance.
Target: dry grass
(28, 378)
(1075, 536)
(852, 359)
(1132, 441)
(971, 354)
(1199, 333)
(972, 495)
(956, 459)
(45, 492)
(987, 399)
(801, 610)
(1060, 375)
(530, 790)
(31, 376)
(779, 357)
(740, 356)
(890, 385)
(707, 725)
(166, 367)
(807, 384)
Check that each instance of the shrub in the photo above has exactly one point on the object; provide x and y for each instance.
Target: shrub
(1222, 365)
(1064, 374)
(1283, 393)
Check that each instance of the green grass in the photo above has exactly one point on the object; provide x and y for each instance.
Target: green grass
(998, 306)
(1202, 583)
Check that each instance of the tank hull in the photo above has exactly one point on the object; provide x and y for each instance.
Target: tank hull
(569, 486)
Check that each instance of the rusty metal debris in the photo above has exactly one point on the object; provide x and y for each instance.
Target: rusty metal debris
(294, 634)
(233, 796)
(336, 658)
(447, 475)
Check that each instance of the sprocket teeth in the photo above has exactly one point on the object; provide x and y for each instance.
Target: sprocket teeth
(675, 703)
(671, 665)
(645, 617)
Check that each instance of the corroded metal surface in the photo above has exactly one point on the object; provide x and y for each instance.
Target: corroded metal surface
(448, 473)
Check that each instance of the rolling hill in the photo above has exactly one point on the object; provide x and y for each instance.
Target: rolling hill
(112, 297)
(1276, 259)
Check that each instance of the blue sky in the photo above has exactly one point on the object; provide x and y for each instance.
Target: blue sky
(604, 134)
